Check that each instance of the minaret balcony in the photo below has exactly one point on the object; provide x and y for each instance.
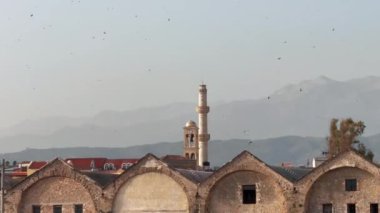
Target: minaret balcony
(203, 109)
(204, 137)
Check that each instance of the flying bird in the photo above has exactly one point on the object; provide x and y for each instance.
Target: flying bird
(279, 58)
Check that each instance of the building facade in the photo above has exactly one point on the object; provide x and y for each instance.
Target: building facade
(346, 183)
(179, 184)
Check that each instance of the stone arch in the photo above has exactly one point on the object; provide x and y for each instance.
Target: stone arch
(329, 187)
(225, 195)
(55, 169)
(151, 191)
(149, 163)
(44, 192)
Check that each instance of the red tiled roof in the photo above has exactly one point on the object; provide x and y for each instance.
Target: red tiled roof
(18, 174)
(37, 164)
(85, 163)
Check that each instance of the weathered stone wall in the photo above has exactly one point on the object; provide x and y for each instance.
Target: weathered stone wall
(160, 186)
(221, 192)
(153, 192)
(56, 183)
(153, 186)
(226, 195)
(330, 188)
(326, 184)
(56, 190)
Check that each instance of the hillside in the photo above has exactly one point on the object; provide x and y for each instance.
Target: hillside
(303, 109)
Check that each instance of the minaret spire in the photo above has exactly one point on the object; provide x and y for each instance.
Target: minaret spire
(203, 136)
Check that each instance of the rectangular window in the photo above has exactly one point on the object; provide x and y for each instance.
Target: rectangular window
(36, 209)
(57, 209)
(249, 194)
(374, 208)
(327, 208)
(78, 208)
(351, 208)
(351, 185)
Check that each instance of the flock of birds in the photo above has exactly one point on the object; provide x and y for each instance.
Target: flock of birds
(169, 19)
(104, 32)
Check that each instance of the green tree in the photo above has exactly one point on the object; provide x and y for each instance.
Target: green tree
(343, 136)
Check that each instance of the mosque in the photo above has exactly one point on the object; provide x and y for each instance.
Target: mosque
(346, 183)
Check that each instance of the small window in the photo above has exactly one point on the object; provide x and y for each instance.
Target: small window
(249, 194)
(78, 208)
(351, 208)
(327, 208)
(351, 185)
(374, 208)
(36, 209)
(192, 156)
(57, 209)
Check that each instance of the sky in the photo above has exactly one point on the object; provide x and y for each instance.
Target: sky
(77, 58)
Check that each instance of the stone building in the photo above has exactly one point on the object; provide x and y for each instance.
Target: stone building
(180, 184)
(346, 183)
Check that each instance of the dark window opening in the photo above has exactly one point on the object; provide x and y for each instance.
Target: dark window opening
(327, 208)
(78, 208)
(192, 138)
(351, 185)
(57, 209)
(351, 208)
(249, 194)
(36, 209)
(374, 208)
(192, 156)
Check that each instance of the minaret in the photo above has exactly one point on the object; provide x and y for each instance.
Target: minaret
(203, 136)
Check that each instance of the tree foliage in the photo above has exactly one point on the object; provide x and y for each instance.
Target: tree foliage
(343, 136)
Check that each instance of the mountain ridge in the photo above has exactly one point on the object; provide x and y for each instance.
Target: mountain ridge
(274, 151)
(303, 109)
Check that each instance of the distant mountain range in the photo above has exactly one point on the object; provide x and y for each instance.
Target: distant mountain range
(303, 109)
(294, 149)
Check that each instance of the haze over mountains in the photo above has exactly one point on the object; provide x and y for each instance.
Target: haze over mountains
(274, 151)
(303, 109)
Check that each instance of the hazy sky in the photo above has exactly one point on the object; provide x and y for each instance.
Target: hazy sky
(76, 58)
